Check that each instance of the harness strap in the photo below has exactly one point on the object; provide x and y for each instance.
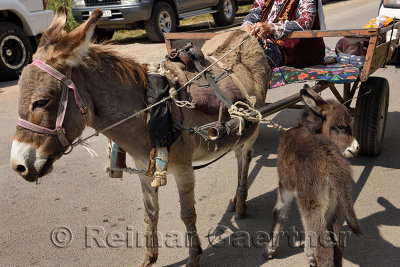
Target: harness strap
(65, 80)
(62, 107)
(224, 99)
(251, 99)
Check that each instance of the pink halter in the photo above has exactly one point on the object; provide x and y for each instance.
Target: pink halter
(58, 130)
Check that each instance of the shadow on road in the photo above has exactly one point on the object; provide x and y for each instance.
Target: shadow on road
(371, 249)
(368, 250)
(4, 81)
(8, 83)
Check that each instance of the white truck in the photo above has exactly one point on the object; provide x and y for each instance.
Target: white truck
(21, 22)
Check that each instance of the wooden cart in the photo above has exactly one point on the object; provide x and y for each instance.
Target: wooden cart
(371, 107)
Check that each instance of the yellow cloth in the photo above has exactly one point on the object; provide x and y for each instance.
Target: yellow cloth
(378, 22)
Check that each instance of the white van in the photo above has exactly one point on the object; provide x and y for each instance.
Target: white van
(21, 22)
(391, 8)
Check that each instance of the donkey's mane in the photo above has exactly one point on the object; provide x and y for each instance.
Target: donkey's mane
(127, 69)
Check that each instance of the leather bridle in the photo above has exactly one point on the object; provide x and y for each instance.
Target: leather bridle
(59, 131)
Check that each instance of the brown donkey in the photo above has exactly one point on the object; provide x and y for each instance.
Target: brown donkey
(312, 167)
(113, 87)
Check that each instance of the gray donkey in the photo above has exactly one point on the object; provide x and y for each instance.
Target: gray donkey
(313, 168)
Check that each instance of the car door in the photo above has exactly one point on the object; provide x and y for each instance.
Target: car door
(32, 5)
(209, 3)
(190, 5)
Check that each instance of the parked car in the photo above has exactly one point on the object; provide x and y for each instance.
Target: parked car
(21, 22)
(157, 17)
(391, 8)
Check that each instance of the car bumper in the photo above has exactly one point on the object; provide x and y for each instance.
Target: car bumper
(121, 17)
(390, 12)
(42, 20)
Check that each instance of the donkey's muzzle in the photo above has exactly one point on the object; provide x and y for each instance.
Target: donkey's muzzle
(352, 150)
(25, 161)
(24, 172)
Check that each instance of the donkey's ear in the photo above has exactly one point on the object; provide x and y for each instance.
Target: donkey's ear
(75, 45)
(312, 99)
(55, 31)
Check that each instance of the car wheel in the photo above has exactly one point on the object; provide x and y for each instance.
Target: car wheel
(163, 20)
(15, 50)
(226, 12)
(102, 35)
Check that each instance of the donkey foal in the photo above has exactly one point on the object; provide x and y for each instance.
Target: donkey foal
(312, 167)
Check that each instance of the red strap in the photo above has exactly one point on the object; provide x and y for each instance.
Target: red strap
(65, 80)
(62, 107)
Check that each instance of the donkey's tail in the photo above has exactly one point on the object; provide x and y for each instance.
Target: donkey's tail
(345, 204)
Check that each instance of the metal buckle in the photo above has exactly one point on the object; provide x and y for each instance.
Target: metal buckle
(62, 137)
(66, 81)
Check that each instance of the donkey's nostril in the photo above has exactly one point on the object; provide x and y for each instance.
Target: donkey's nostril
(20, 168)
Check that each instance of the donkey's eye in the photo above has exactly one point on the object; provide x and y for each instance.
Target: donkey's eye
(40, 103)
(342, 128)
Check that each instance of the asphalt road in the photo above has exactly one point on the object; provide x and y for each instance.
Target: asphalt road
(79, 195)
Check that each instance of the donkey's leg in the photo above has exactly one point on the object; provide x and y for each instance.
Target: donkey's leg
(278, 218)
(246, 156)
(151, 209)
(317, 239)
(184, 177)
(232, 202)
(339, 247)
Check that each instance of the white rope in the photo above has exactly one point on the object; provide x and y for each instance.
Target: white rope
(88, 147)
(180, 103)
(128, 170)
(242, 111)
(271, 124)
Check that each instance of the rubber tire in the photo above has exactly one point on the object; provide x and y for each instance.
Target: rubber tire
(9, 29)
(102, 35)
(154, 33)
(370, 115)
(220, 18)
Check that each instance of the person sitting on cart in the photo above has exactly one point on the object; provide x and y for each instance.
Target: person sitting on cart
(272, 20)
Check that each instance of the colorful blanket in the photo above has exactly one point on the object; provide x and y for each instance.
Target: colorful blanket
(335, 73)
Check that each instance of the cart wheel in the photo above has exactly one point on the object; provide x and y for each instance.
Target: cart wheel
(370, 115)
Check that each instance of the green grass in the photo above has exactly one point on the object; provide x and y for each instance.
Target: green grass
(71, 22)
(119, 35)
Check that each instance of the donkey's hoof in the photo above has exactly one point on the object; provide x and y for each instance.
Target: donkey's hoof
(312, 261)
(269, 253)
(231, 206)
(194, 260)
(240, 215)
(146, 264)
(148, 261)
